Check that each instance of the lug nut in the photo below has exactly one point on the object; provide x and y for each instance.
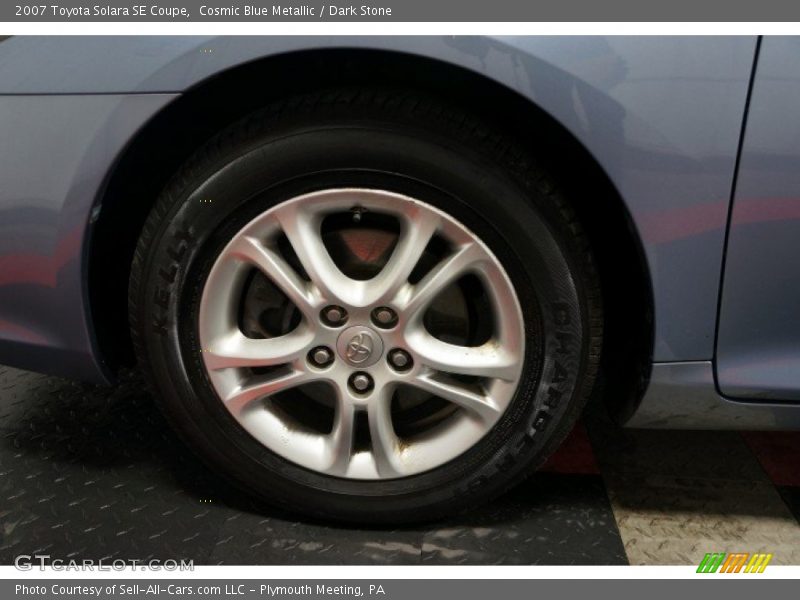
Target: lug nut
(361, 382)
(400, 359)
(320, 356)
(384, 317)
(334, 315)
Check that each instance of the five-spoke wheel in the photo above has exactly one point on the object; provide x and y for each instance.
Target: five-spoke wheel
(364, 339)
(367, 305)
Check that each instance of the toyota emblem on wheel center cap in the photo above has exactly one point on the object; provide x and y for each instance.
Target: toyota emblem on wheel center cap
(360, 346)
(359, 349)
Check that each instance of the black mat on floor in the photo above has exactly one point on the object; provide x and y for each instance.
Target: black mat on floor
(94, 472)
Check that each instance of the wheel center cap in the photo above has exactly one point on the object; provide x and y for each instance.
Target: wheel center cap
(359, 346)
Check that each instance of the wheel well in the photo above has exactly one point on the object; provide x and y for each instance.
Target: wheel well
(170, 138)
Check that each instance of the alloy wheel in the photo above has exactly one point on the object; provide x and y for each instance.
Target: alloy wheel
(361, 367)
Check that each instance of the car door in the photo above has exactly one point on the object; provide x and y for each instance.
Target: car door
(758, 344)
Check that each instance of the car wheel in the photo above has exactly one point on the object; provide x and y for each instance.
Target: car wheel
(366, 305)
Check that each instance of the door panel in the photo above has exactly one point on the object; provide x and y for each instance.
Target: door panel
(758, 347)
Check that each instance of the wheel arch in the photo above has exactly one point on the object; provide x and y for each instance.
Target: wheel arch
(173, 134)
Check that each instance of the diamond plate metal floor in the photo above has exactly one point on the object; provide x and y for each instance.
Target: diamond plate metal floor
(94, 472)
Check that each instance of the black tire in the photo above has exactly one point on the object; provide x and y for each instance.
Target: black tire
(407, 143)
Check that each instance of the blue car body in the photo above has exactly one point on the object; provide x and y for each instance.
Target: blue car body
(699, 136)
